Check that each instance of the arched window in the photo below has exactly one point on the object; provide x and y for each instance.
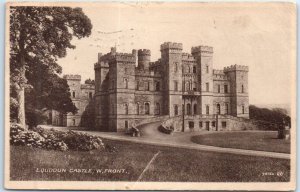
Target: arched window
(73, 93)
(219, 88)
(207, 109)
(157, 108)
(243, 109)
(194, 69)
(137, 108)
(176, 110)
(126, 108)
(188, 109)
(227, 108)
(242, 88)
(126, 83)
(195, 109)
(147, 108)
(218, 108)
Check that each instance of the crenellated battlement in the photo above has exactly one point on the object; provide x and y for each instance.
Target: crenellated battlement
(72, 77)
(200, 49)
(236, 68)
(144, 52)
(125, 57)
(170, 45)
(218, 72)
(188, 57)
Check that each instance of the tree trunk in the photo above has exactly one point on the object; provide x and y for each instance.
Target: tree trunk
(21, 97)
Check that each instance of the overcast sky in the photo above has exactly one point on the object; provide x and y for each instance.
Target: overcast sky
(261, 36)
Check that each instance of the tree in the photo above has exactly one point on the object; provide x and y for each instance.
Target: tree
(38, 37)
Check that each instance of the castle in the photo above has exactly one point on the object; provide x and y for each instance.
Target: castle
(129, 87)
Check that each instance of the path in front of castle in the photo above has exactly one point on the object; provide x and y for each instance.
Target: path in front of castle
(151, 135)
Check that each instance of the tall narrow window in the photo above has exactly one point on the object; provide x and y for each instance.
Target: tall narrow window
(147, 85)
(176, 67)
(74, 122)
(189, 69)
(194, 69)
(137, 108)
(207, 69)
(157, 109)
(73, 94)
(176, 110)
(147, 108)
(126, 83)
(126, 108)
(219, 88)
(227, 108)
(188, 86)
(90, 95)
(157, 86)
(207, 109)
(137, 85)
(188, 109)
(207, 87)
(175, 86)
(225, 88)
(243, 109)
(218, 108)
(242, 88)
(195, 86)
(195, 109)
(126, 124)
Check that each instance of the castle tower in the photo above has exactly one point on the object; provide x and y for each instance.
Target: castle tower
(171, 58)
(204, 58)
(144, 56)
(239, 100)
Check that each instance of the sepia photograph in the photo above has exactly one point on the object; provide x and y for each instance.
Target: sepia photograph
(150, 96)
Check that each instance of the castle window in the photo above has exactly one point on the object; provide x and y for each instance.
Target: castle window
(188, 109)
(194, 69)
(207, 87)
(207, 69)
(243, 109)
(200, 124)
(147, 85)
(126, 83)
(137, 108)
(195, 109)
(223, 124)
(90, 95)
(126, 124)
(213, 123)
(175, 86)
(195, 86)
(73, 94)
(242, 88)
(218, 108)
(225, 88)
(207, 109)
(187, 86)
(126, 108)
(147, 108)
(137, 85)
(219, 88)
(227, 108)
(175, 109)
(191, 124)
(74, 122)
(189, 69)
(157, 86)
(176, 67)
(157, 109)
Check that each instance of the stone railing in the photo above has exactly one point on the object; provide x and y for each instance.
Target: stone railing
(150, 120)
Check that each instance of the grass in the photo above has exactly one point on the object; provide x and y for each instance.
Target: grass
(172, 164)
(260, 141)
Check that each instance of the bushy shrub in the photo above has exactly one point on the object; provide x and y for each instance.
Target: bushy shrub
(54, 140)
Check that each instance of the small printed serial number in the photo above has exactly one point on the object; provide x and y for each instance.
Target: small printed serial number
(278, 173)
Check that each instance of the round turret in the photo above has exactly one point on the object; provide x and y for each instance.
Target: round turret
(144, 58)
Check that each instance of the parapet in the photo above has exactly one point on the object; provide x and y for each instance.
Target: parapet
(72, 77)
(188, 57)
(206, 49)
(144, 52)
(125, 57)
(170, 45)
(218, 72)
(236, 68)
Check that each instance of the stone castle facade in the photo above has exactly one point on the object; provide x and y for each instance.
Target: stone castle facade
(129, 88)
(82, 96)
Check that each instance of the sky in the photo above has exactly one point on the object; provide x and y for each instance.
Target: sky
(261, 36)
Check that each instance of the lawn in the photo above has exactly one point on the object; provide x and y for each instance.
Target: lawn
(259, 140)
(171, 164)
